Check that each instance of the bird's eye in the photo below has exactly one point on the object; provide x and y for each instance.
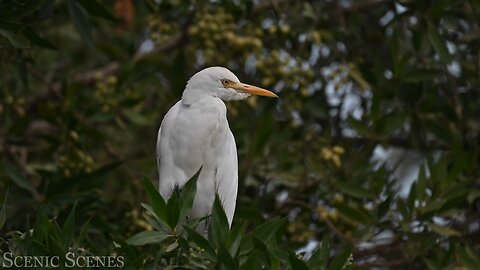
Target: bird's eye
(225, 82)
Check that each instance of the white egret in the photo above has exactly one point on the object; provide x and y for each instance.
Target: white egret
(195, 133)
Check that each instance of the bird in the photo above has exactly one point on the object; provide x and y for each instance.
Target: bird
(195, 134)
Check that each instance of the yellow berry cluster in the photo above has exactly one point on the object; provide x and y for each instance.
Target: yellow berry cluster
(281, 66)
(72, 160)
(160, 30)
(333, 154)
(300, 231)
(138, 222)
(105, 88)
(217, 32)
(17, 104)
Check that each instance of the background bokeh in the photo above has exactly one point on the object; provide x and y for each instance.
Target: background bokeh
(373, 143)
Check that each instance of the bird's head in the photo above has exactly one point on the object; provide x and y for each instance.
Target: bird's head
(222, 83)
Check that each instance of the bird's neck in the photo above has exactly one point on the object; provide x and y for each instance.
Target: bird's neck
(191, 96)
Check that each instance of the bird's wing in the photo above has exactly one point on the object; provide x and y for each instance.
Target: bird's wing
(182, 139)
(226, 177)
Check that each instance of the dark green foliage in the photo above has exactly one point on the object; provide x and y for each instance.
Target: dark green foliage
(370, 92)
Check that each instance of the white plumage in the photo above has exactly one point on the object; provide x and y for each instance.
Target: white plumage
(195, 133)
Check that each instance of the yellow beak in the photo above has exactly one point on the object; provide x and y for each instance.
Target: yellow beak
(250, 89)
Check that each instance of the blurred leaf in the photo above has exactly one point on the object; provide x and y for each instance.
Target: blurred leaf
(438, 44)
(359, 126)
(68, 230)
(319, 258)
(99, 172)
(37, 40)
(95, 8)
(442, 230)
(297, 263)
(353, 214)
(341, 260)
(251, 262)
(14, 174)
(201, 242)
(137, 118)
(225, 258)
(354, 190)
(16, 39)
(147, 237)
(390, 123)
(469, 258)
(3, 211)
(265, 232)
(81, 22)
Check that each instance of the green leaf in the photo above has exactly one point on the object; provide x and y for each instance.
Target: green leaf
(319, 258)
(354, 190)
(438, 44)
(225, 258)
(137, 118)
(296, 263)
(353, 214)
(3, 212)
(147, 237)
(218, 229)
(81, 22)
(251, 262)
(359, 126)
(96, 9)
(41, 228)
(187, 195)
(390, 123)
(68, 230)
(442, 230)
(99, 172)
(469, 258)
(14, 173)
(37, 40)
(158, 203)
(201, 242)
(173, 210)
(341, 260)
(267, 230)
(83, 232)
(16, 39)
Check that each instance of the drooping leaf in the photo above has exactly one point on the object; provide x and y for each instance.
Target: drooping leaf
(81, 22)
(354, 189)
(438, 44)
(442, 230)
(297, 263)
(147, 237)
(319, 258)
(68, 230)
(16, 176)
(37, 40)
(225, 258)
(158, 203)
(265, 232)
(341, 260)
(3, 211)
(96, 9)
